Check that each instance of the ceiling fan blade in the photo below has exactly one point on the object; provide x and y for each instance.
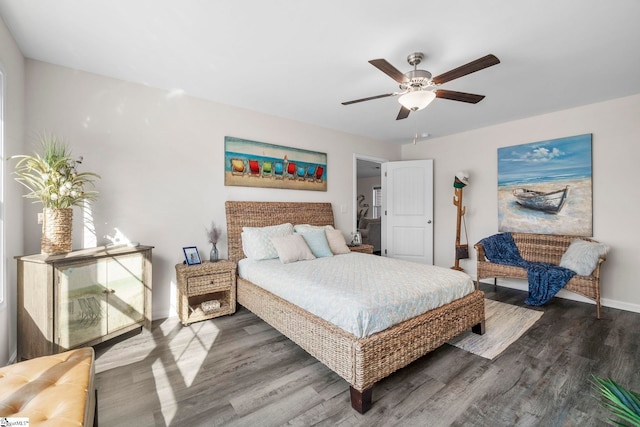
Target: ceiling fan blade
(403, 114)
(463, 70)
(389, 70)
(369, 98)
(459, 96)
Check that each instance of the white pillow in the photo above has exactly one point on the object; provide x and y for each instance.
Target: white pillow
(337, 243)
(305, 228)
(292, 248)
(256, 241)
(582, 256)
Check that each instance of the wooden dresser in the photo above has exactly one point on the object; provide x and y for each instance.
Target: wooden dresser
(81, 298)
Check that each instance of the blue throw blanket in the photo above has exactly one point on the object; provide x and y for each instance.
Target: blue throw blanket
(545, 280)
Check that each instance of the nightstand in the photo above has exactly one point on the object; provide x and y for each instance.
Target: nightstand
(363, 248)
(199, 285)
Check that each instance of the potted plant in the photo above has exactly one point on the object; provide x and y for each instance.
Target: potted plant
(52, 179)
(623, 403)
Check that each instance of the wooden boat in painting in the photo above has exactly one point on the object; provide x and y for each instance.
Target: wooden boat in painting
(551, 202)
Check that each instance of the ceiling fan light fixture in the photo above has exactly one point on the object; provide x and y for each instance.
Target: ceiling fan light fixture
(417, 99)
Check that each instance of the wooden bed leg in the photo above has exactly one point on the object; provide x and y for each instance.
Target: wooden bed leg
(361, 400)
(478, 328)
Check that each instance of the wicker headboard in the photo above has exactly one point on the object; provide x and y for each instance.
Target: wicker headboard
(262, 214)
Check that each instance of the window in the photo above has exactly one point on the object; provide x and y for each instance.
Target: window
(2, 210)
(377, 202)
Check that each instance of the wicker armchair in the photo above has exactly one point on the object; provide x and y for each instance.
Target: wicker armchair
(543, 248)
(370, 229)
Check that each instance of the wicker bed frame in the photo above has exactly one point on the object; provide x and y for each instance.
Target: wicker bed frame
(360, 361)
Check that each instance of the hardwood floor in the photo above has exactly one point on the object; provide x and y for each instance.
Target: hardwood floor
(238, 371)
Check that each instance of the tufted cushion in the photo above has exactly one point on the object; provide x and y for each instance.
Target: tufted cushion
(50, 390)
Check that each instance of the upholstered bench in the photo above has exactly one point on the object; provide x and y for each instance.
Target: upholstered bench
(544, 248)
(56, 390)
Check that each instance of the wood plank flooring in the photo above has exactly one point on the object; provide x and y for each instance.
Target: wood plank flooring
(238, 371)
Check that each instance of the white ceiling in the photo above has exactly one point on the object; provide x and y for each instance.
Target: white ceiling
(300, 60)
(367, 169)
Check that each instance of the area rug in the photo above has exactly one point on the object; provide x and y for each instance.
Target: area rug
(504, 324)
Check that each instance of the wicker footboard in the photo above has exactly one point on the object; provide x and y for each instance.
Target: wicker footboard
(362, 362)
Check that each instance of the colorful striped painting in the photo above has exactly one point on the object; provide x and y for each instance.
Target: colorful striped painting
(258, 164)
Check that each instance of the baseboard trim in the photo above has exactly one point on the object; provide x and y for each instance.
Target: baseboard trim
(605, 302)
(620, 305)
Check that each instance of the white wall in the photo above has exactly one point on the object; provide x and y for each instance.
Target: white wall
(161, 158)
(12, 65)
(616, 193)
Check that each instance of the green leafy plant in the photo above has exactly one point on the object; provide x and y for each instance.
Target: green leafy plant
(52, 177)
(622, 403)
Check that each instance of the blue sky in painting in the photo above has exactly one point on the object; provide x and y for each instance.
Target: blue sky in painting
(263, 149)
(553, 160)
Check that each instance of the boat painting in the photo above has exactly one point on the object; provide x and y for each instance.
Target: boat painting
(551, 201)
(532, 179)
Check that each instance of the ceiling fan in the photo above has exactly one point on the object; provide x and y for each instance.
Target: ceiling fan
(418, 88)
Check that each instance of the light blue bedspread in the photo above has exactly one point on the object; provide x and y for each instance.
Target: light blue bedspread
(362, 294)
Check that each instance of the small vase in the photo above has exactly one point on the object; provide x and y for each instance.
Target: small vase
(213, 255)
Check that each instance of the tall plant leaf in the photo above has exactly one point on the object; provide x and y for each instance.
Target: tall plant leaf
(624, 404)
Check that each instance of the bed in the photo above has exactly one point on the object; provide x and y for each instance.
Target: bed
(360, 361)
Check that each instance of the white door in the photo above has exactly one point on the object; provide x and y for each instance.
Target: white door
(407, 220)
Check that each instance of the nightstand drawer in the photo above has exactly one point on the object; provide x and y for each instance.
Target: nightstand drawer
(208, 283)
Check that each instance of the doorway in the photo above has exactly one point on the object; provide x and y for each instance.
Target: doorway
(367, 199)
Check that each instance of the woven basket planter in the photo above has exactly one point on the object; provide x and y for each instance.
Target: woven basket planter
(56, 231)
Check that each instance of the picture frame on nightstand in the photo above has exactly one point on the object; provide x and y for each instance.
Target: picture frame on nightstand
(191, 255)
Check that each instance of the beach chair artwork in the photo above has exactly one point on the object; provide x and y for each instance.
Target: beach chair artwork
(259, 164)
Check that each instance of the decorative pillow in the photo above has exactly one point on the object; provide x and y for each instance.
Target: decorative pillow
(305, 228)
(318, 244)
(337, 243)
(291, 248)
(256, 241)
(582, 256)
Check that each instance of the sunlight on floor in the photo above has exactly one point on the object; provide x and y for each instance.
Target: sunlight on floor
(164, 390)
(191, 356)
(197, 340)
